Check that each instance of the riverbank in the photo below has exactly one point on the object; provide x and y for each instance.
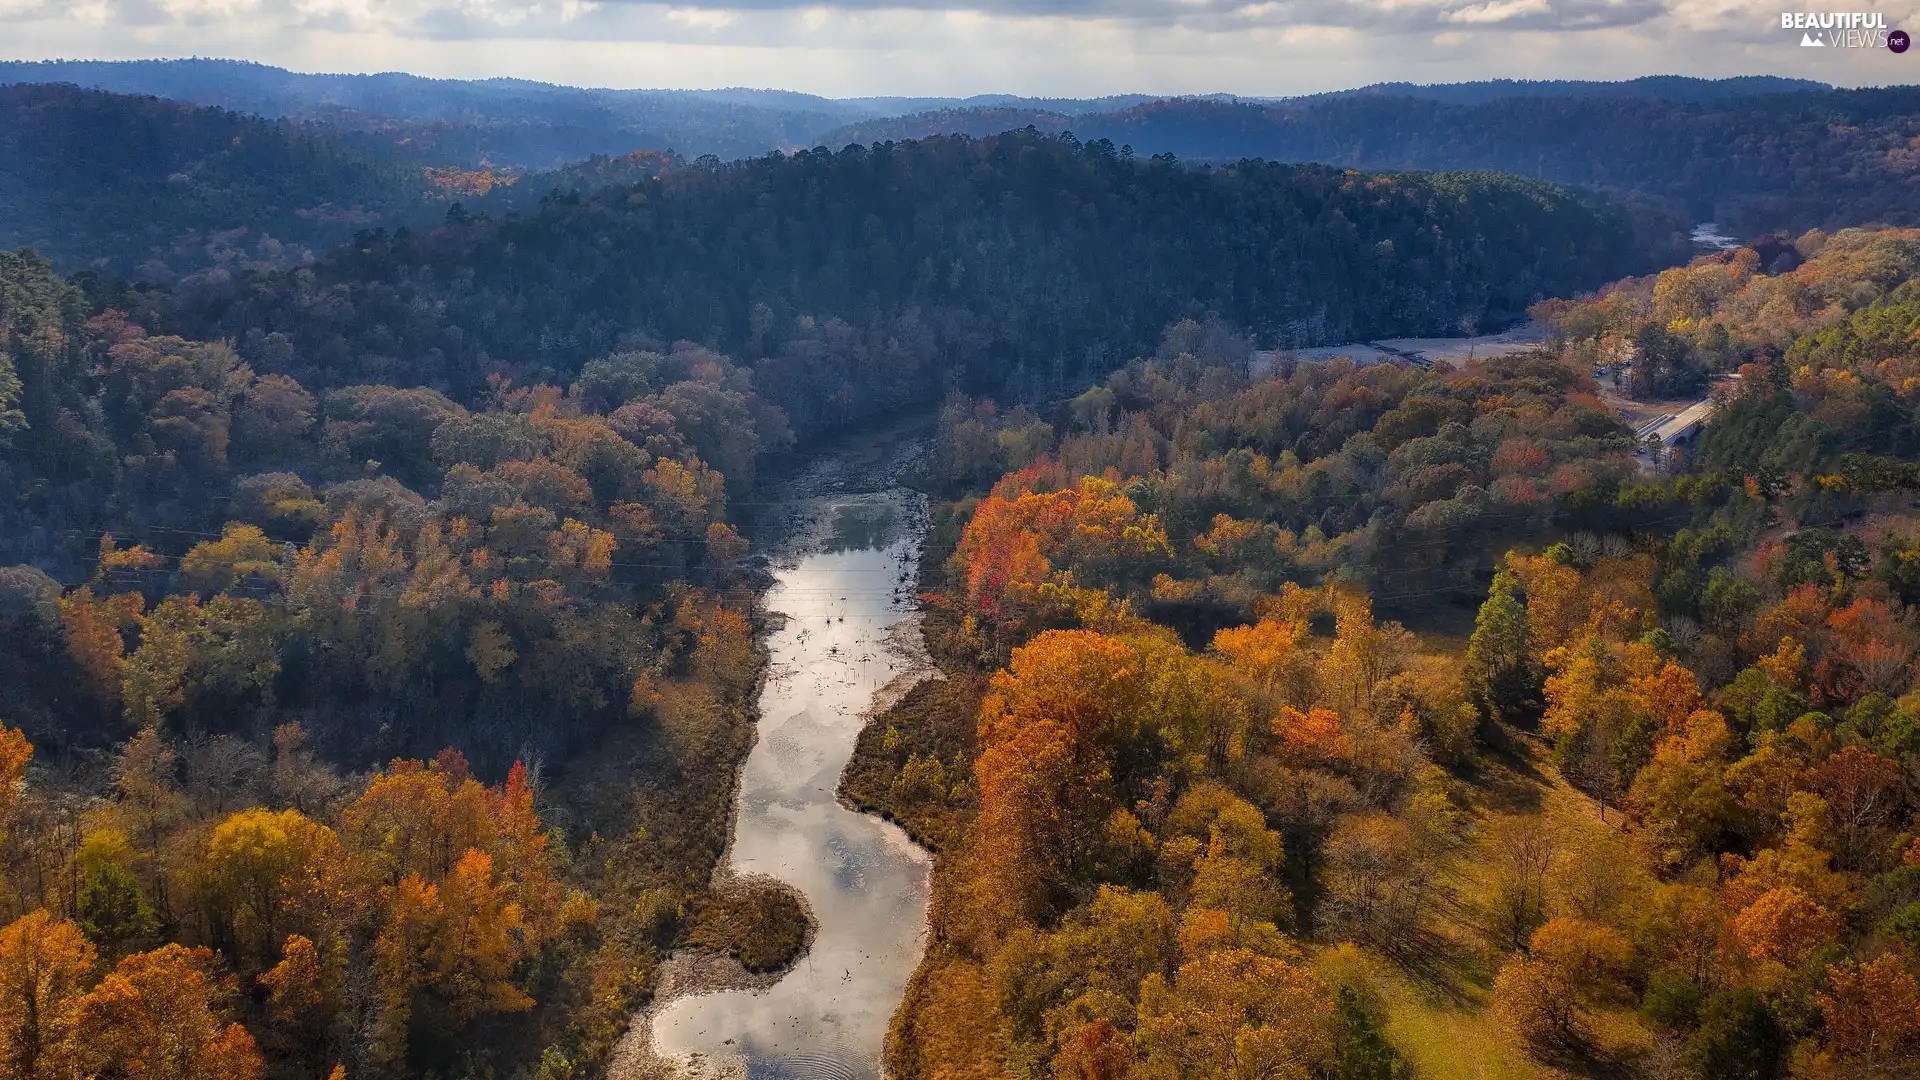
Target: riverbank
(913, 765)
(839, 634)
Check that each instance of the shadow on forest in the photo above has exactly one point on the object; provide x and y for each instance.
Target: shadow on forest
(1507, 776)
(1441, 967)
(1580, 1055)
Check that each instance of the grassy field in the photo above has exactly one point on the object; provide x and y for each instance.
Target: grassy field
(1436, 1006)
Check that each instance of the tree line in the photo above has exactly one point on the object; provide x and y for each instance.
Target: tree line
(1754, 162)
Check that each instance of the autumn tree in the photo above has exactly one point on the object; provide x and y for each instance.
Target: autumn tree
(162, 1015)
(1377, 883)
(1231, 1014)
(44, 964)
(481, 941)
(271, 874)
(242, 553)
(94, 627)
(109, 904)
(1521, 855)
(1873, 1012)
(15, 752)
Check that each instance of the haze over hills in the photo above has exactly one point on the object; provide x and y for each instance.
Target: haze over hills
(1655, 87)
(516, 122)
(498, 121)
(280, 165)
(524, 124)
(1809, 157)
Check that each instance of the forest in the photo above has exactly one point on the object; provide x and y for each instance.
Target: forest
(380, 630)
(1755, 164)
(369, 701)
(258, 675)
(1206, 808)
(151, 189)
(172, 195)
(866, 280)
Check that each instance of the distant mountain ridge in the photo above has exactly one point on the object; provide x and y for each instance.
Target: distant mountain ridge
(519, 123)
(189, 166)
(1656, 87)
(504, 122)
(1780, 160)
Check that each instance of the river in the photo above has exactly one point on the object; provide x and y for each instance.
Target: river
(844, 592)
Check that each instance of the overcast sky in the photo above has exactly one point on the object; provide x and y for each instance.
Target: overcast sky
(1050, 47)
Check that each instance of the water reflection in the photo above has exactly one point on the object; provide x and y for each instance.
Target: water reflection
(867, 883)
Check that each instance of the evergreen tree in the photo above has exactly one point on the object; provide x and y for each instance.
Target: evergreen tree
(1500, 669)
(112, 911)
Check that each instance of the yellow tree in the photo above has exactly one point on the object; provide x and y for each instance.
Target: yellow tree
(524, 858)
(149, 804)
(1363, 654)
(93, 626)
(1781, 930)
(1557, 601)
(1232, 1014)
(1023, 778)
(15, 752)
(1570, 965)
(1682, 792)
(154, 680)
(272, 873)
(1267, 653)
(419, 818)
(1873, 1013)
(303, 987)
(241, 553)
(44, 963)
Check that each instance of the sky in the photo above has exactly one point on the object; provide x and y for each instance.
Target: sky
(1074, 48)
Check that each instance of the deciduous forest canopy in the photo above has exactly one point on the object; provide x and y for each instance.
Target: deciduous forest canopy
(379, 625)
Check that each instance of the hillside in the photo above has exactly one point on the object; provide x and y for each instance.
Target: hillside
(154, 189)
(504, 122)
(1677, 88)
(1753, 164)
(1206, 809)
(863, 281)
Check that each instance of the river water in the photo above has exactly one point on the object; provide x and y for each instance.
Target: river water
(846, 590)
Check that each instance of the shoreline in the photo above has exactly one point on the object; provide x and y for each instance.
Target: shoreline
(808, 525)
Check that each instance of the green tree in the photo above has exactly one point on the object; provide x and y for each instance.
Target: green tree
(1500, 669)
(1738, 1039)
(109, 906)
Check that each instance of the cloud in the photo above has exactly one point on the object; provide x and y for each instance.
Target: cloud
(570, 18)
(1057, 47)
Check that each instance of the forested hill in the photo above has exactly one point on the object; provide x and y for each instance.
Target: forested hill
(1652, 87)
(152, 188)
(505, 122)
(1753, 164)
(863, 281)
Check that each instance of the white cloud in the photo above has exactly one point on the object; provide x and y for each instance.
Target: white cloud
(702, 18)
(1497, 11)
